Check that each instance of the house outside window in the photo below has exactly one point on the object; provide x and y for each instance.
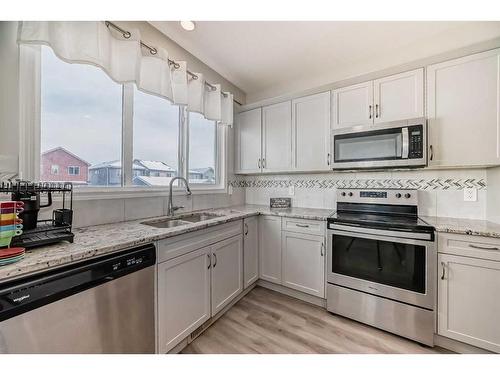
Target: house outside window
(54, 169)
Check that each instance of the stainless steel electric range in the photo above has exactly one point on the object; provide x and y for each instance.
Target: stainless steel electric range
(381, 262)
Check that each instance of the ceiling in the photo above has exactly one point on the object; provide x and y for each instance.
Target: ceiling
(270, 58)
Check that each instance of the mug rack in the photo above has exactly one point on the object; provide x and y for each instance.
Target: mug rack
(47, 231)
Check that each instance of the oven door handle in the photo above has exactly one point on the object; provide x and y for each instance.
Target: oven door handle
(359, 231)
(406, 143)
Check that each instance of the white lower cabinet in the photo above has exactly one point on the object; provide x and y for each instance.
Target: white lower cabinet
(250, 250)
(304, 263)
(193, 284)
(270, 248)
(468, 300)
(227, 272)
(183, 296)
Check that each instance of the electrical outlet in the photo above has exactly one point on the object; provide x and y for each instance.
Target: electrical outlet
(470, 194)
(230, 190)
(291, 190)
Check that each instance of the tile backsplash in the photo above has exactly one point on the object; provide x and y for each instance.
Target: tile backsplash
(440, 192)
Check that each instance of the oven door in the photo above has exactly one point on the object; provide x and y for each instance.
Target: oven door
(389, 145)
(382, 263)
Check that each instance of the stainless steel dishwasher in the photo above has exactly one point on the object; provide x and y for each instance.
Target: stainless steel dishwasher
(105, 305)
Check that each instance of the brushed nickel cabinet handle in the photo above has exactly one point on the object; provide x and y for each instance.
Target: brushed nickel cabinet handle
(302, 225)
(246, 229)
(442, 274)
(209, 261)
(328, 159)
(322, 248)
(370, 112)
(376, 111)
(483, 247)
(215, 260)
(263, 163)
(432, 153)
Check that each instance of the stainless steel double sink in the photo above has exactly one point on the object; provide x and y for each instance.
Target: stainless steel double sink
(183, 219)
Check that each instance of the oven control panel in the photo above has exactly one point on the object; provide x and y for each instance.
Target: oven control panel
(378, 196)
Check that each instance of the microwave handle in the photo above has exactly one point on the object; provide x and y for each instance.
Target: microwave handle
(406, 143)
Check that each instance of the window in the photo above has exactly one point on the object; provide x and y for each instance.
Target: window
(202, 150)
(88, 123)
(74, 171)
(156, 139)
(81, 118)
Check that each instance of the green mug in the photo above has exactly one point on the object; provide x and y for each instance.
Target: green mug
(10, 233)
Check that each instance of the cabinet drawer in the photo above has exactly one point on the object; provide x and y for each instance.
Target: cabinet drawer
(179, 245)
(303, 226)
(469, 246)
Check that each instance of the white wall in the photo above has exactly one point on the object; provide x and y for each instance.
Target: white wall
(493, 206)
(440, 191)
(9, 95)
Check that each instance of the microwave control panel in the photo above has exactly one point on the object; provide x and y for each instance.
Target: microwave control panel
(416, 140)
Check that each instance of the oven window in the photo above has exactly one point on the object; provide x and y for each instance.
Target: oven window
(391, 263)
(380, 145)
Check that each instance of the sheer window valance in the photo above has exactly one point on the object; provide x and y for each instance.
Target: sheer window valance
(126, 60)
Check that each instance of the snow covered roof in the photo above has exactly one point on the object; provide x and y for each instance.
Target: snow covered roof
(154, 165)
(115, 164)
(154, 180)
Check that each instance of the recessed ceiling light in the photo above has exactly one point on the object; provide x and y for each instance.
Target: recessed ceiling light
(188, 25)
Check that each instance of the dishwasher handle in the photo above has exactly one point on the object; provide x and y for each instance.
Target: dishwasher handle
(30, 293)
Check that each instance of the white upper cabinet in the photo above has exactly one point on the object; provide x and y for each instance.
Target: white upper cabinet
(353, 105)
(463, 103)
(311, 132)
(277, 137)
(399, 97)
(248, 141)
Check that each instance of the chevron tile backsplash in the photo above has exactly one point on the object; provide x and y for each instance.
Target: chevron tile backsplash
(329, 183)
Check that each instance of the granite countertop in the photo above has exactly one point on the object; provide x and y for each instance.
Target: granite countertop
(469, 227)
(103, 239)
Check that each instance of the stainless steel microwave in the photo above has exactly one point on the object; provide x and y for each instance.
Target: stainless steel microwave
(392, 145)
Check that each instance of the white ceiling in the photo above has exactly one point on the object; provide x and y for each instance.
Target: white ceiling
(271, 58)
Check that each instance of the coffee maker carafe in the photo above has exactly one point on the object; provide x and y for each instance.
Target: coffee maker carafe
(32, 205)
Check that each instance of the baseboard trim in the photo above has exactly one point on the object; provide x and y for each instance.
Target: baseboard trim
(457, 346)
(321, 302)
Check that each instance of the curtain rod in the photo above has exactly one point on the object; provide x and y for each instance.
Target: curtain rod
(126, 34)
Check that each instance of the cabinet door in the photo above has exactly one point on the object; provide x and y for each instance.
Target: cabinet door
(311, 125)
(250, 251)
(463, 104)
(468, 303)
(353, 105)
(248, 141)
(277, 137)
(183, 297)
(227, 272)
(270, 248)
(304, 263)
(399, 97)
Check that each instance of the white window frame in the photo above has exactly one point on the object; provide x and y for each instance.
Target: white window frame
(73, 174)
(30, 140)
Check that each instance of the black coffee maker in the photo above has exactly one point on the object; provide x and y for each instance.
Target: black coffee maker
(32, 205)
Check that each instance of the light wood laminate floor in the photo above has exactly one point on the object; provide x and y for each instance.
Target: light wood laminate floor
(265, 321)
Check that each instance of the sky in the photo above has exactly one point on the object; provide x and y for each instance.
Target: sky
(82, 112)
